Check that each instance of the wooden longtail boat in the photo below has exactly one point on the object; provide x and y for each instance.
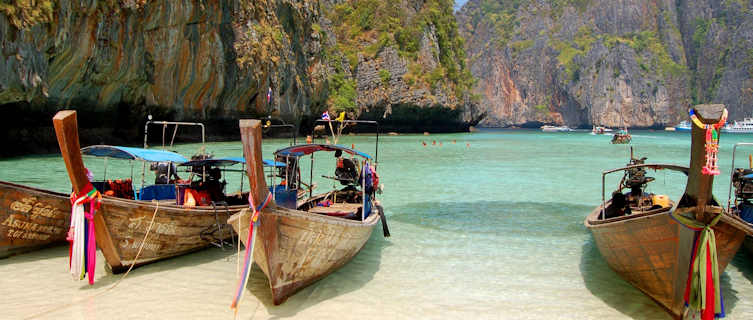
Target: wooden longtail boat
(741, 181)
(31, 218)
(621, 137)
(650, 249)
(121, 224)
(296, 246)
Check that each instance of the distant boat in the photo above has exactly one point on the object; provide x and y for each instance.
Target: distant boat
(600, 130)
(556, 129)
(745, 126)
(621, 137)
(670, 129)
(683, 126)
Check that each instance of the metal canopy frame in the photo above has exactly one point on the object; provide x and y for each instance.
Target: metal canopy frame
(654, 166)
(376, 148)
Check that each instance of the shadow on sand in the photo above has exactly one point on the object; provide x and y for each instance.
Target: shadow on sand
(744, 259)
(608, 286)
(352, 276)
(107, 278)
(28, 254)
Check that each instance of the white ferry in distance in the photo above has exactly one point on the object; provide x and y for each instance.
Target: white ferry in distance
(683, 126)
(745, 126)
(556, 129)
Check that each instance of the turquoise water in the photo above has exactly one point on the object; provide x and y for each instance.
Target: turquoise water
(490, 226)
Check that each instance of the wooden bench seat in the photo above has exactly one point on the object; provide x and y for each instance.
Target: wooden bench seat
(337, 209)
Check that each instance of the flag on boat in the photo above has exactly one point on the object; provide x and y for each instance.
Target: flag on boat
(341, 117)
(325, 115)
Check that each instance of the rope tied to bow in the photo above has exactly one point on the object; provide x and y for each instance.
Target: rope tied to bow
(82, 253)
(250, 242)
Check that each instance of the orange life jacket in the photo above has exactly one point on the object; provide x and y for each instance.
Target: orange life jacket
(196, 197)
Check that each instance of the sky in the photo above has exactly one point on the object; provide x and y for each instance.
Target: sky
(459, 3)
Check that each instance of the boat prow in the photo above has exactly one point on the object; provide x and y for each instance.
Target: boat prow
(133, 232)
(294, 248)
(651, 251)
(652, 248)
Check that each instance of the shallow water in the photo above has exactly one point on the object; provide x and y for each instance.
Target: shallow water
(490, 226)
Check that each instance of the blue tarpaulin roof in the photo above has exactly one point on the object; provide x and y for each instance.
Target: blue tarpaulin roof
(218, 162)
(228, 161)
(270, 163)
(129, 153)
(305, 149)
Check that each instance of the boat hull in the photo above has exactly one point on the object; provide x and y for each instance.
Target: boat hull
(121, 226)
(653, 251)
(31, 218)
(748, 244)
(296, 248)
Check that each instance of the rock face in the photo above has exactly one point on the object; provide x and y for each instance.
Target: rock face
(195, 58)
(217, 59)
(405, 54)
(604, 62)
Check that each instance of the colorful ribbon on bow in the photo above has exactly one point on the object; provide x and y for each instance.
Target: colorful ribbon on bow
(711, 167)
(250, 242)
(703, 292)
(82, 253)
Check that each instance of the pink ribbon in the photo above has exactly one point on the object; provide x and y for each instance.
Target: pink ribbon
(91, 255)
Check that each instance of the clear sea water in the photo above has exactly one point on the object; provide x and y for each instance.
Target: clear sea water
(485, 225)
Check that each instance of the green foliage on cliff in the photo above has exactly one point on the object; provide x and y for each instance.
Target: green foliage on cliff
(260, 46)
(343, 95)
(366, 27)
(648, 41)
(701, 29)
(503, 15)
(24, 14)
(646, 44)
(568, 50)
(522, 45)
(385, 75)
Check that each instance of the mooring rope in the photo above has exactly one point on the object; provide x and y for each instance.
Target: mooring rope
(250, 242)
(70, 304)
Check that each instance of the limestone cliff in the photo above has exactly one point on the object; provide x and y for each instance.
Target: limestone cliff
(218, 59)
(400, 54)
(604, 62)
(195, 58)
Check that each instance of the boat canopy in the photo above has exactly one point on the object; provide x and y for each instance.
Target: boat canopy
(229, 161)
(129, 153)
(655, 166)
(271, 163)
(306, 149)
